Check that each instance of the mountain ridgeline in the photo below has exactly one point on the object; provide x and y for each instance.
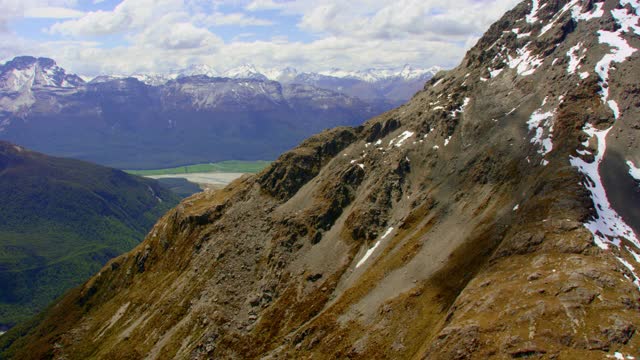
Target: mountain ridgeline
(492, 216)
(152, 122)
(61, 220)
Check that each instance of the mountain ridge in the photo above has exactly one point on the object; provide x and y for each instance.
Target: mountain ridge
(368, 84)
(284, 75)
(17, 71)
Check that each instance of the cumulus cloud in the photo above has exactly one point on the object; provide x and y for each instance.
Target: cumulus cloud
(161, 35)
(167, 34)
(164, 55)
(403, 18)
(15, 9)
(128, 15)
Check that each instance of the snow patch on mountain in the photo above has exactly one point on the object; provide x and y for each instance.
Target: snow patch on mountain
(575, 58)
(576, 13)
(399, 141)
(633, 170)
(620, 51)
(608, 228)
(524, 62)
(532, 17)
(495, 73)
(542, 123)
(462, 107)
(596, 13)
(375, 246)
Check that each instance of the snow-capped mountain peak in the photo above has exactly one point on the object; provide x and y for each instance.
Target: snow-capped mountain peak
(153, 79)
(197, 69)
(24, 72)
(374, 74)
(289, 74)
(284, 75)
(409, 73)
(158, 79)
(246, 71)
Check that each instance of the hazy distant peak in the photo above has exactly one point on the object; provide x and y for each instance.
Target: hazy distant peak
(198, 69)
(246, 71)
(407, 72)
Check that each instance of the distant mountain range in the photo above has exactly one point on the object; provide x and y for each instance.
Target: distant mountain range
(397, 84)
(61, 220)
(189, 116)
(376, 78)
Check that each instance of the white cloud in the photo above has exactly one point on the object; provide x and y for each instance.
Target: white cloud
(256, 5)
(403, 18)
(166, 34)
(231, 19)
(51, 12)
(162, 55)
(15, 9)
(128, 15)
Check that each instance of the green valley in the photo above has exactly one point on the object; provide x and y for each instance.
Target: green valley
(61, 220)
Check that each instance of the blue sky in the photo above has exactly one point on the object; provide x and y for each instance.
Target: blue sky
(93, 37)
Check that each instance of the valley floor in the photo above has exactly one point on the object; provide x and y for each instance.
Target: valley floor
(229, 166)
(203, 179)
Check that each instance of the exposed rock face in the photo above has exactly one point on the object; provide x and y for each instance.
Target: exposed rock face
(491, 216)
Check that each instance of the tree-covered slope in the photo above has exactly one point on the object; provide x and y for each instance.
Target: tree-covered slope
(61, 220)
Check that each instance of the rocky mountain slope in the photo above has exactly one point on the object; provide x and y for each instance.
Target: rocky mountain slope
(61, 220)
(492, 216)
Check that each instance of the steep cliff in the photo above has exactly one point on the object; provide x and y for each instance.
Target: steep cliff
(494, 215)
